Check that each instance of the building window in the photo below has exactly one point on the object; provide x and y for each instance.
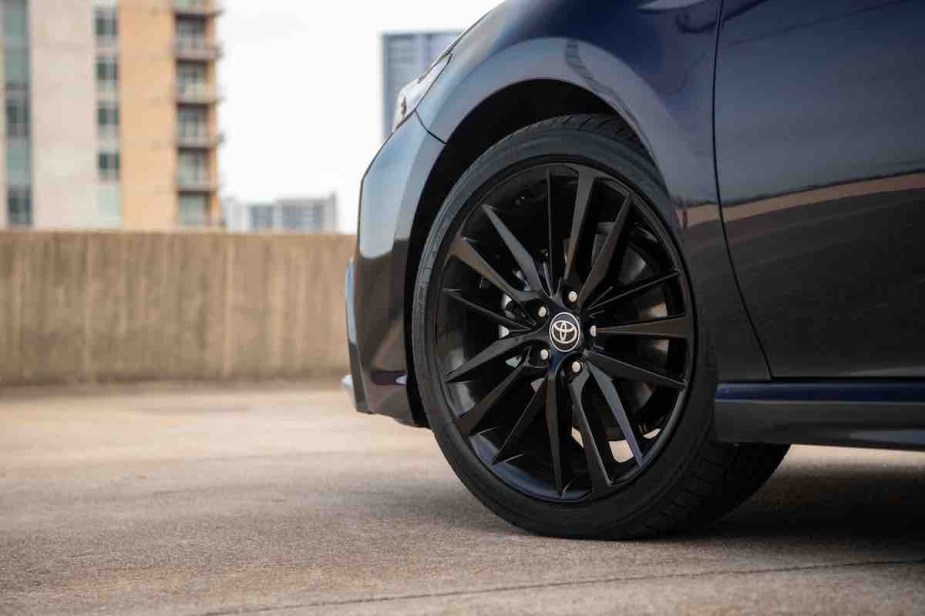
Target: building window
(107, 74)
(307, 218)
(191, 33)
(16, 66)
(107, 119)
(193, 123)
(15, 23)
(261, 217)
(19, 206)
(193, 211)
(18, 162)
(17, 114)
(191, 78)
(14, 48)
(193, 167)
(106, 24)
(108, 165)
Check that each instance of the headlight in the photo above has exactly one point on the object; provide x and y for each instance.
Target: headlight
(412, 94)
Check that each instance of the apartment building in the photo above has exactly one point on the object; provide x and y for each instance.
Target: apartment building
(110, 114)
(405, 56)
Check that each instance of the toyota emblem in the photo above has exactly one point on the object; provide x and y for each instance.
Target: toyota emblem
(565, 332)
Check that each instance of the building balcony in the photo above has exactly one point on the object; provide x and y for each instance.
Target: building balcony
(198, 93)
(198, 139)
(196, 49)
(198, 8)
(108, 136)
(199, 183)
(107, 45)
(107, 90)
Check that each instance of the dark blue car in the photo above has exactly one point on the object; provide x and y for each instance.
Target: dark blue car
(620, 254)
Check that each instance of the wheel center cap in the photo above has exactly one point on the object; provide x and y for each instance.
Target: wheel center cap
(565, 332)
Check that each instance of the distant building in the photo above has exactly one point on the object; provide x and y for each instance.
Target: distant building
(295, 215)
(405, 56)
(110, 113)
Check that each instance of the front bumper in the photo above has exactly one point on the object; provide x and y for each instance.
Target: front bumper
(377, 279)
(353, 384)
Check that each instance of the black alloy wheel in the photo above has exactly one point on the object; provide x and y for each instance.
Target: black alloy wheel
(564, 337)
(556, 346)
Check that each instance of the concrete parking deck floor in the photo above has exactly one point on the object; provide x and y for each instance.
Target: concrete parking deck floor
(214, 502)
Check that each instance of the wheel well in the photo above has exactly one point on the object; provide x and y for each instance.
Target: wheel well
(498, 116)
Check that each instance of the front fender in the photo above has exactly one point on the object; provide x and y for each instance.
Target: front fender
(647, 65)
(652, 61)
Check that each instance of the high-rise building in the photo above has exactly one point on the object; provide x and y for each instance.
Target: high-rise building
(110, 113)
(405, 56)
(295, 215)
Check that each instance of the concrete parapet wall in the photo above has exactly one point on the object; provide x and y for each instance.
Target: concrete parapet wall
(110, 307)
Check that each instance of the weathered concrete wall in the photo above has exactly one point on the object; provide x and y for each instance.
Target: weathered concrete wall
(103, 307)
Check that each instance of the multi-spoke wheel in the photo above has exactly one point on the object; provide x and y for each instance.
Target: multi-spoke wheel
(564, 334)
(555, 337)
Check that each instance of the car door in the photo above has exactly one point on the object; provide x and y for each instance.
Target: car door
(820, 148)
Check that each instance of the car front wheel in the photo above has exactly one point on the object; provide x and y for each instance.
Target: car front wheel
(557, 345)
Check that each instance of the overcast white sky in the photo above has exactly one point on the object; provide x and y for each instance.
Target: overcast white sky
(302, 89)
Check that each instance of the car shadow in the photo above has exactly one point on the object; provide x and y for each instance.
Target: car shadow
(851, 509)
(863, 504)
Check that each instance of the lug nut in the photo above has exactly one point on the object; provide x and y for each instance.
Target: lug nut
(576, 367)
(572, 296)
(544, 354)
(542, 312)
(593, 331)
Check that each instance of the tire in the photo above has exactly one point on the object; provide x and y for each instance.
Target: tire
(545, 454)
